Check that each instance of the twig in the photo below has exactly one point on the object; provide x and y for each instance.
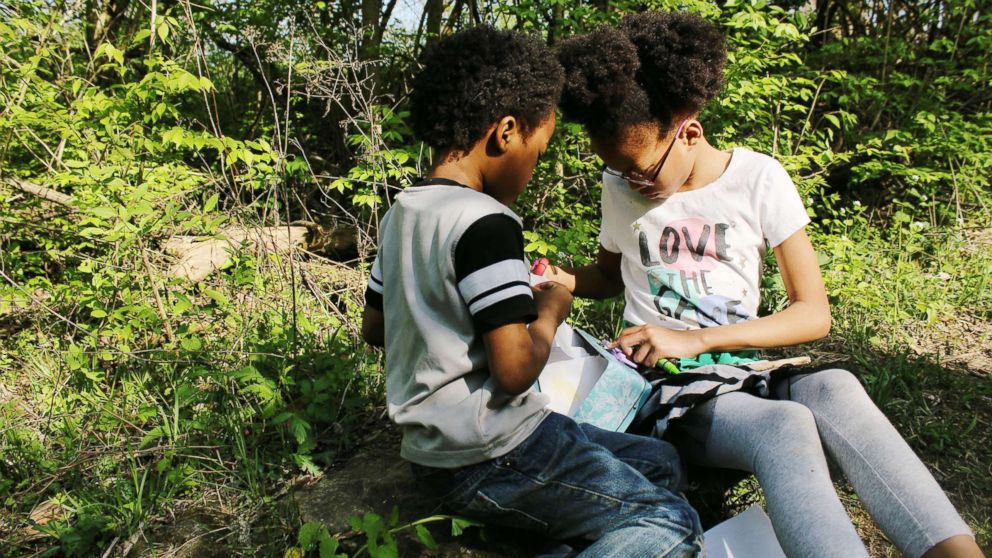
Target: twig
(158, 299)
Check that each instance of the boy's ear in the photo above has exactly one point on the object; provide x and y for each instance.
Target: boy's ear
(505, 132)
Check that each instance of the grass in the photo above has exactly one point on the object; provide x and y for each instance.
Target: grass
(154, 451)
(101, 487)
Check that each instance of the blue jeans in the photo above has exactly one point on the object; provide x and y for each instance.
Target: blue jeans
(617, 492)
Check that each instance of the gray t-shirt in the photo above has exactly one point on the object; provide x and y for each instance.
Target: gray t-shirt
(450, 267)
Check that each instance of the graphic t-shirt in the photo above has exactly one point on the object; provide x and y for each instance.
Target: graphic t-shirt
(694, 259)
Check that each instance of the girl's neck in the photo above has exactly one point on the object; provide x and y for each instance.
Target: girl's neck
(708, 165)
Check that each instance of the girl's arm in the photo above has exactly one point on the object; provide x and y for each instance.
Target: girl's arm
(599, 280)
(807, 317)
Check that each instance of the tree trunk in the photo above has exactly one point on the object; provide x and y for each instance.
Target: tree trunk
(554, 23)
(435, 12)
(102, 19)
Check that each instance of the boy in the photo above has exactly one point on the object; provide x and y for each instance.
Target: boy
(450, 300)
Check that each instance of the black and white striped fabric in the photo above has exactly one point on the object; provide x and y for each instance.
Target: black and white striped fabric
(491, 273)
(673, 395)
(373, 293)
(451, 268)
(492, 277)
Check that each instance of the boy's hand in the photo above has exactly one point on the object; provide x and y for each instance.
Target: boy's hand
(552, 299)
(647, 344)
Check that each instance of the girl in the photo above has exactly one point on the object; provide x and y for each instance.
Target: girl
(684, 229)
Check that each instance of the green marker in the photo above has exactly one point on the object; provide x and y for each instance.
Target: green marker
(667, 365)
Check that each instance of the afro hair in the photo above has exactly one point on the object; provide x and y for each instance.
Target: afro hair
(651, 68)
(476, 77)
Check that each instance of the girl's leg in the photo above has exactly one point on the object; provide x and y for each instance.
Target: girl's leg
(895, 486)
(778, 442)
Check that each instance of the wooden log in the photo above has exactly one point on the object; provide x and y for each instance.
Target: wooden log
(197, 259)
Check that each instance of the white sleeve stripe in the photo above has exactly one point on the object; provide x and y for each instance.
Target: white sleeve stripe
(375, 285)
(487, 301)
(491, 277)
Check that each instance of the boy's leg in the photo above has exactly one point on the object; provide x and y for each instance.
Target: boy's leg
(778, 442)
(561, 483)
(897, 489)
(656, 459)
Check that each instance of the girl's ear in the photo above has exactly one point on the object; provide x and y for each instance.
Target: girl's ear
(692, 132)
(505, 133)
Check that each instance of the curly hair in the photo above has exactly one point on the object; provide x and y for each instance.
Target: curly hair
(476, 77)
(651, 68)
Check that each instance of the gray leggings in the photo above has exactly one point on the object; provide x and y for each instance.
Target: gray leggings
(779, 440)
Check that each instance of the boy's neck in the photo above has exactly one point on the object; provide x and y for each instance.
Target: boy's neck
(467, 169)
(708, 165)
(460, 167)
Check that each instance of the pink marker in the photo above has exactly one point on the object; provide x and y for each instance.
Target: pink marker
(540, 266)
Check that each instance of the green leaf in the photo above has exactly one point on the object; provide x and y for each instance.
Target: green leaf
(329, 547)
(163, 31)
(211, 203)
(104, 212)
(459, 524)
(182, 304)
(372, 526)
(191, 343)
(309, 533)
(425, 537)
(217, 297)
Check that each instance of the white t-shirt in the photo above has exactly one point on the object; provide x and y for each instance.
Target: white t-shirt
(694, 259)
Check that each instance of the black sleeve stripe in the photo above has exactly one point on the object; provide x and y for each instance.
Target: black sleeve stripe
(518, 308)
(375, 280)
(373, 299)
(491, 239)
(496, 290)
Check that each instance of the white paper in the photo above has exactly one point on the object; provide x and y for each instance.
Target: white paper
(567, 383)
(746, 535)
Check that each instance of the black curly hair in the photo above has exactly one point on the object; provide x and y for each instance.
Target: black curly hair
(651, 68)
(476, 77)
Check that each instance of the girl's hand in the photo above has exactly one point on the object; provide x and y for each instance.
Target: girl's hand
(647, 344)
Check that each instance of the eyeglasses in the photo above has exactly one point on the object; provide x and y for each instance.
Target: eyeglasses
(639, 179)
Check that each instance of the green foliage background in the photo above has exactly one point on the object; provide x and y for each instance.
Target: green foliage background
(126, 396)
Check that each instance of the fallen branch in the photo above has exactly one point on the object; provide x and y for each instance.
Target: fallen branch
(40, 191)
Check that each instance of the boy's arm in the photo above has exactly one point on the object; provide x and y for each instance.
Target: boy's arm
(494, 283)
(373, 319)
(599, 280)
(373, 326)
(518, 353)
